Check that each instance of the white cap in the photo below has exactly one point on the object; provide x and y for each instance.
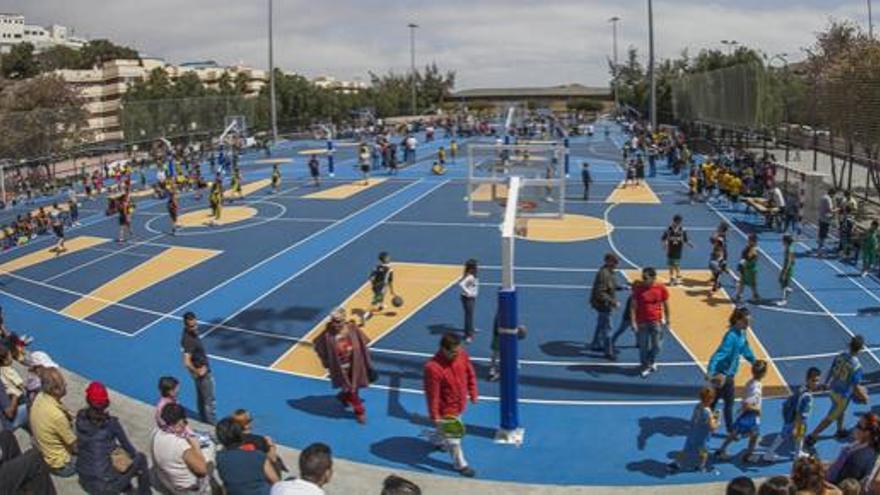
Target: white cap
(40, 358)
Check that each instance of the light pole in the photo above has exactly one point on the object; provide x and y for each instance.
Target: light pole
(730, 44)
(651, 75)
(614, 20)
(273, 110)
(412, 61)
(870, 22)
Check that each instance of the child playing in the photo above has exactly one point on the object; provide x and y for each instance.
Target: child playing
(692, 186)
(717, 264)
(787, 268)
(696, 448)
(795, 412)
(381, 281)
(276, 178)
(748, 423)
(630, 174)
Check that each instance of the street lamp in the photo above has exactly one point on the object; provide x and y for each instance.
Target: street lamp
(614, 20)
(653, 104)
(412, 61)
(731, 44)
(273, 110)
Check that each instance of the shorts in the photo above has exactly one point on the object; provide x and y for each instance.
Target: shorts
(746, 424)
(59, 231)
(378, 296)
(839, 404)
(365, 168)
(673, 262)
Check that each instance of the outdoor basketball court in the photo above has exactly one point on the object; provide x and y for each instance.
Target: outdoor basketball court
(263, 282)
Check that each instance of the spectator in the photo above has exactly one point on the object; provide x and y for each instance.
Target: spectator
(826, 215)
(259, 442)
(856, 460)
(724, 363)
(169, 387)
(180, 464)
(315, 471)
(741, 485)
(777, 485)
(808, 477)
(20, 472)
(100, 438)
(243, 469)
(603, 298)
(342, 348)
(449, 381)
(470, 287)
(13, 401)
(195, 360)
(51, 425)
(649, 314)
(37, 362)
(395, 485)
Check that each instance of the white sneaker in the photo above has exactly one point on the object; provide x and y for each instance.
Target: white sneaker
(645, 372)
(653, 368)
(781, 302)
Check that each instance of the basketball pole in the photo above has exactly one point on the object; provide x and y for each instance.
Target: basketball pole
(510, 431)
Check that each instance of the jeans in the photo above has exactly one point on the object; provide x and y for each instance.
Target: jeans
(625, 324)
(19, 471)
(66, 471)
(21, 417)
(652, 166)
(468, 304)
(727, 393)
(649, 338)
(205, 400)
(121, 481)
(603, 330)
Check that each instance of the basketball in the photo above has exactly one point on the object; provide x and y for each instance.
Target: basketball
(397, 301)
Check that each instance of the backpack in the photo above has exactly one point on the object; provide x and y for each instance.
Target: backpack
(791, 405)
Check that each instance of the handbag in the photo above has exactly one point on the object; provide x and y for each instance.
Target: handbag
(120, 460)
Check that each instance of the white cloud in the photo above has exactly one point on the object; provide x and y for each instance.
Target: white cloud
(488, 42)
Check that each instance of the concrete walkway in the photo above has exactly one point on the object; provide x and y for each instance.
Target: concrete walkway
(351, 478)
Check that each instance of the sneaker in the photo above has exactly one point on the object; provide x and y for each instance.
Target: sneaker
(467, 472)
(781, 302)
(653, 368)
(494, 376)
(645, 372)
(721, 455)
(673, 467)
(361, 418)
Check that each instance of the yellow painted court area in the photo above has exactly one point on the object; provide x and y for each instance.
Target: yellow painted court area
(71, 246)
(163, 266)
(344, 191)
(700, 320)
(247, 189)
(229, 214)
(640, 194)
(274, 161)
(417, 283)
(483, 192)
(569, 228)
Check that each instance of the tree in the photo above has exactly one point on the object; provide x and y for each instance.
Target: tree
(41, 117)
(59, 57)
(20, 63)
(96, 52)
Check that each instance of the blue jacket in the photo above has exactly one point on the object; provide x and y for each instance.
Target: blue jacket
(726, 359)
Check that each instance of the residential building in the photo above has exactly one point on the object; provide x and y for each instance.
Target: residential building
(345, 87)
(553, 97)
(14, 30)
(102, 88)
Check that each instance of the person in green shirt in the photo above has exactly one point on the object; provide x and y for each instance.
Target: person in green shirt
(748, 270)
(869, 249)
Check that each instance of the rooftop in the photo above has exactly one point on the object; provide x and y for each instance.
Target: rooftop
(564, 90)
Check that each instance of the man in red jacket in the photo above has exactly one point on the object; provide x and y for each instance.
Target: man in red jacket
(449, 381)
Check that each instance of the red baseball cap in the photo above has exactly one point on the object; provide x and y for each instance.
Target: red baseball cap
(97, 396)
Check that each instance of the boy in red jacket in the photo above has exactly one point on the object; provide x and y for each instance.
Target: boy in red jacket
(449, 381)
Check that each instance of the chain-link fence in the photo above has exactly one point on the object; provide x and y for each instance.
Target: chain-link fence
(825, 124)
(142, 121)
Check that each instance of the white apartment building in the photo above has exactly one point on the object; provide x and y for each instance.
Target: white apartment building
(14, 30)
(102, 88)
(345, 87)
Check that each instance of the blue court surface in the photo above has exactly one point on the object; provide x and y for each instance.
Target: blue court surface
(261, 284)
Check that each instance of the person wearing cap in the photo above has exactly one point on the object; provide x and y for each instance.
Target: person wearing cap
(98, 436)
(195, 360)
(342, 348)
(51, 426)
(37, 362)
(603, 299)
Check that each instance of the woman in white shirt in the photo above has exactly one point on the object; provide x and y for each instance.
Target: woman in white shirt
(180, 464)
(470, 287)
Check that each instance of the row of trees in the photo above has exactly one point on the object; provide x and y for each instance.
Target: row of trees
(23, 61)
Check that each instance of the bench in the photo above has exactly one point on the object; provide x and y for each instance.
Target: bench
(761, 206)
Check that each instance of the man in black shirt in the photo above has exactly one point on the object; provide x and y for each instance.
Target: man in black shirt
(195, 360)
(674, 240)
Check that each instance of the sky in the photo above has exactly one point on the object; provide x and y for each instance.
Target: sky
(488, 43)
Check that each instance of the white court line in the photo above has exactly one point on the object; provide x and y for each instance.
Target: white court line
(841, 272)
(542, 269)
(328, 253)
(102, 258)
(45, 308)
(611, 239)
(265, 261)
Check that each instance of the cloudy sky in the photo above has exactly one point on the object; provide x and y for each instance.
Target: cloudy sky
(488, 42)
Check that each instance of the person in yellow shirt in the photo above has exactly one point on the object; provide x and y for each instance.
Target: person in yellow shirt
(736, 185)
(51, 425)
(453, 150)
